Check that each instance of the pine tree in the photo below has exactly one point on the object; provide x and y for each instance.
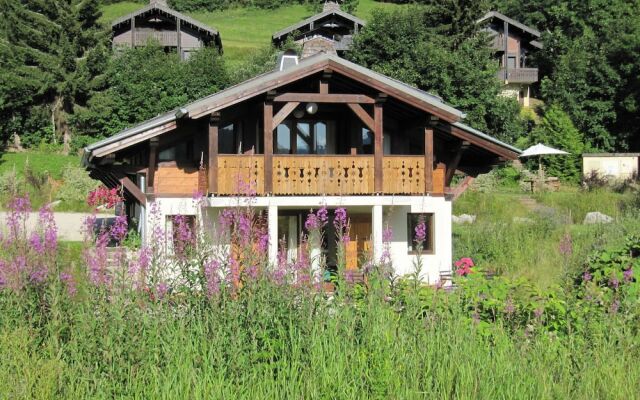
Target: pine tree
(53, 50)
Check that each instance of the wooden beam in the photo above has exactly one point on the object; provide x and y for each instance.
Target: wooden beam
(324, 98)
(268, 145)
(378, 155)
(324, 81)
(428, 159)
(133, 32)
(212, 163)
(363, 115)
(478, 141)
(134, 190)
(284, 113)
(153, 156)
(455, 161)
(179, 38)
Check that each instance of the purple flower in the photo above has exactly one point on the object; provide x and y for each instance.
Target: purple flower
(614, 282)
(118, 230)
(39, 275)
(421, 232)
(586, 277)
(69, 282)
(387, 234)
(35, 243)
(312, 222)
(212, 277)
(613, 309)
(341, 218)
(161, 290)
(48, 224)
(538, 312)
(263, 242)
(628, 274)
(323, 215)
(509, 307)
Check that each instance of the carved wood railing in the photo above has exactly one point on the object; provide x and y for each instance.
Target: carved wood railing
(403, 174)
(240, 174)
(335, 175)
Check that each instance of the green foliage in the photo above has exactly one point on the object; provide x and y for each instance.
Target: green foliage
(52, 54)
(76, 184)
(424, 47)
(144, 82)
(557, 130)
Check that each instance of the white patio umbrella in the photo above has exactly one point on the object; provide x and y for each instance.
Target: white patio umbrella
(541, 150)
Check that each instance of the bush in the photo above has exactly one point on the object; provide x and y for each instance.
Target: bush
(77, 184)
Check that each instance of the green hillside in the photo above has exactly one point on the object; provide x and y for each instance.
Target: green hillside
(245, 29)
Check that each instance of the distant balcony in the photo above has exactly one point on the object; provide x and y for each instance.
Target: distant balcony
(165, 38)
(518, 75)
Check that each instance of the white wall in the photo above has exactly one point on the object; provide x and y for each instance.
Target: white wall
(618, 167)
(395, 210)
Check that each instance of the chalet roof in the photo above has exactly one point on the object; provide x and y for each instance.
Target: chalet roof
(163, 7)
(327, 12)
(274, 79)
(524, 28)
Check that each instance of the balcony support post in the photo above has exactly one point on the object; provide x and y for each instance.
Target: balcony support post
(153, 156)
(268, 142)
(214, 121)
(428, 159)
(179, 38)
(272, 222)
(378, 148)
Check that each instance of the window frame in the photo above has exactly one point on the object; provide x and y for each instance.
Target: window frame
(429, 247)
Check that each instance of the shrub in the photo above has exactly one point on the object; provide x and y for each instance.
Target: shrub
(77, 184)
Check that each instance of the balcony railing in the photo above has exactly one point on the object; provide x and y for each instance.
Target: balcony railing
(165, 38)
(518, 75)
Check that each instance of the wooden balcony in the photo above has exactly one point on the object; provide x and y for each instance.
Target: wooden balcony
(165, 38)
(324, 175)
(518, 75)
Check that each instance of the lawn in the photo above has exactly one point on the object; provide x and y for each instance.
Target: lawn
(245, 30)
(39, 161)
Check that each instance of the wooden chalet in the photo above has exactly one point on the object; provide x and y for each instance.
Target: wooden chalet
(332, 29)
(514, 43)
(320, 131)
(159, 23)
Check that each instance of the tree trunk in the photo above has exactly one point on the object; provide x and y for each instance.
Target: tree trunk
(60, 125)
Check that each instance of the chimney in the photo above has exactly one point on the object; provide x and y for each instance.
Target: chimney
(331, 6)
(318, 44)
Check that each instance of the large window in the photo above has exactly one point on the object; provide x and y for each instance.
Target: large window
(227, 139)
(305, 137)
(413, 220)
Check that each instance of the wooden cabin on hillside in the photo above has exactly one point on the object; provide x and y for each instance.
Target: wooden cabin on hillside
(514, 43)
(171, 29)
(332, 30)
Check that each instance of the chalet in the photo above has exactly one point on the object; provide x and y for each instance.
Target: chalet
(321, 131)
(331, 30)
(513, 43)
(171, 29)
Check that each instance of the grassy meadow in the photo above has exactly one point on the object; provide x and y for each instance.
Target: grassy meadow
(534, 330)
(245, 30)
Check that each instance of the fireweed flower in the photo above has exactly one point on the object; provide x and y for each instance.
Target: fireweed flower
(212, 278)
(340, 218)
(421, 232)
(161, 290)
(387, 234)
(311, 222)
(509, 307)
(323, 215)
(628, 274)
(566, 247)
(118, 230)
(263, 241)
(69, 282)
(586, 277)
(36, 244)
(614, 282)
